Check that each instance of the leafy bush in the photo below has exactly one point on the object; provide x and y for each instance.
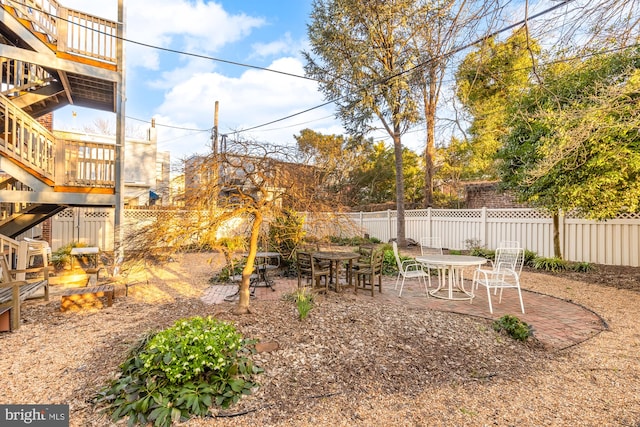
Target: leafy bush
(516, 328)
(483, 252)
(389, 264)
(550, 264)
(286, 232)
(228, 271)
(61, 257)
(181, 372)
(529, 258)
(582, 267)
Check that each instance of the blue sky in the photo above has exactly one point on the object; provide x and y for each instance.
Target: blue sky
(180, 90)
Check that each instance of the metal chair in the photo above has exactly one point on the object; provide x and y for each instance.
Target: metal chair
(430, 246)
(409, 269)
(505, 273)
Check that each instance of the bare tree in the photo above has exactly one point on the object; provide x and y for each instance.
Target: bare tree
(236, 191)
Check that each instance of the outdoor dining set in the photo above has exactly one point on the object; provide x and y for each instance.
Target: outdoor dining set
(363, 270)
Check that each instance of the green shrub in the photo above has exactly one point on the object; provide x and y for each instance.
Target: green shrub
(286, 232)
(61, 257)
(389, 264)
(483, 252)
(550, 264)
(582, 267)
(228, 271)
(181, 372)
(516, 328)
(529, 258)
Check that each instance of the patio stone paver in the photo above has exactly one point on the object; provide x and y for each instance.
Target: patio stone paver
(557, 323)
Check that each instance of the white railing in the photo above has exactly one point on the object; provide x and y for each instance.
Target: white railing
(614, 242)
(64, 162)
(85, 163)
(87, 35)
(70, 30)
(25, 140)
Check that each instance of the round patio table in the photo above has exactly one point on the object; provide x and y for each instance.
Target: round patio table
(452, 280)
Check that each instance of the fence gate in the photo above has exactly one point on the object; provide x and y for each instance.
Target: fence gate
(91, 226)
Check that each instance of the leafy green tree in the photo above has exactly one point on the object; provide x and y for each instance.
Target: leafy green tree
(573, 144)
(488, 81)
(437, 27)
(452, 170)
(373, 181)
(360, 54)
(336, 158)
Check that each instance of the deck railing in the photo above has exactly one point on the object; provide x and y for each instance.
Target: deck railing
(25, 140)
(85, 164)
(70, 30)
(63, 162)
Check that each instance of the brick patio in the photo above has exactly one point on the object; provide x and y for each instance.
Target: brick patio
(557, 323)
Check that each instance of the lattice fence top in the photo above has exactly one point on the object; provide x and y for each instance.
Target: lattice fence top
(456, 213)
(516, 214)
(97, 214)
(67, 213)
(140, 214)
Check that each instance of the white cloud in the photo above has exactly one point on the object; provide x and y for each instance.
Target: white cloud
(283, 46)
(196, 27)
(254, 98)
(189, 86)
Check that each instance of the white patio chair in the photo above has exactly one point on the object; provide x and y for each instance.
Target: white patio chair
(38, 248)
(505, 273)
(409, 269)
(430, 246)
(509, 244)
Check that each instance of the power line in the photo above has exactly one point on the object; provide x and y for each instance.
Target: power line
(176, 51)
(420, 65)
(170, 126)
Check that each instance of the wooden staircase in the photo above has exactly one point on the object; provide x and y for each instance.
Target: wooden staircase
(50, 57)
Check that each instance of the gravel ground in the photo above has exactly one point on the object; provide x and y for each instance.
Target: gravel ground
(364, 363)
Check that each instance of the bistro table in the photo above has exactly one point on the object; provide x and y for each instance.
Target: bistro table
(264, 262)
(336, 259)
(87, 251)
(452, 267)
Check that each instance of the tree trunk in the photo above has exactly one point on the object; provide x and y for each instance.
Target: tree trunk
(397, 148)
(556, 235)
(429, 100)
(244, 291)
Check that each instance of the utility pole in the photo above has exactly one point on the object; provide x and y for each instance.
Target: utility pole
(214, 137)
(118, 222)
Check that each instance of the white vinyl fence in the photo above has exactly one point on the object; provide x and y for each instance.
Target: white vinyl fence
(613, 242)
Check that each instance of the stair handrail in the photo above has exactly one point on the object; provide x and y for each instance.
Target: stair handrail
(10, 248)
(41, 13)
(25, 140)
(72, 31)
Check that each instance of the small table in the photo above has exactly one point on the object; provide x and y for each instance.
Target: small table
(335, 258)
(452, 266)
(89, 251)
(264, 262)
